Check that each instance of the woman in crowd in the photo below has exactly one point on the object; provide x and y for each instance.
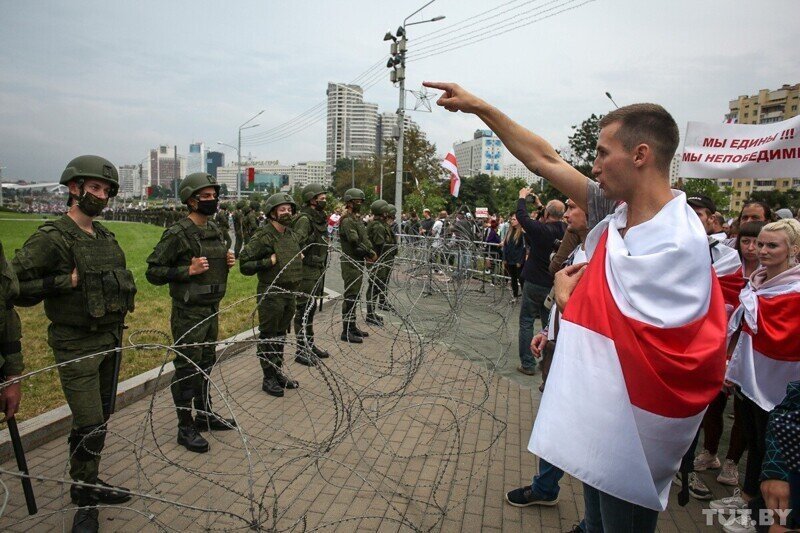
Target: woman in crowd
(766, 356)
(514, 254)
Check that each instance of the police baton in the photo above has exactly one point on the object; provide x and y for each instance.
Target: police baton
(22, 464)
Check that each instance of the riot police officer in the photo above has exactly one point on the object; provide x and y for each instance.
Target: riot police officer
(273, 254)
(77, 267)
(356, 249)
(376, 231)
(221, 219)
(193, 257)
(389, 251)
(11, 365)
(311, 226)
(250, 223)
(238, 219)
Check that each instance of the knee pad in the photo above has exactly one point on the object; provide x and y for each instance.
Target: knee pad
(86, 443)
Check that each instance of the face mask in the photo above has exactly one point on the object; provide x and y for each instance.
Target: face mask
(91, 205)
(285, 219)
(207, 207)
(356, 208)
(321, 205)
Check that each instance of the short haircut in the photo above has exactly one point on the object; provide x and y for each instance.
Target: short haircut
(764, 206)
(648, 124)
(554, 209)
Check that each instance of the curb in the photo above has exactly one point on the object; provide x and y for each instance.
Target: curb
(57, 422)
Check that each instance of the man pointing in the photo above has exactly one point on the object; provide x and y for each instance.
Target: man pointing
(641, 344)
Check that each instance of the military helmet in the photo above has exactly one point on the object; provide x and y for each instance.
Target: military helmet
(353, 194)
(92, 166)
(241, 204)
(311, 191)
(225, 206)
(377, 206)
(389, 209)
(194, 182)
(277, 199)
(254, 205)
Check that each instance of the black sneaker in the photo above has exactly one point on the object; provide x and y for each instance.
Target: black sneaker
(524, 497)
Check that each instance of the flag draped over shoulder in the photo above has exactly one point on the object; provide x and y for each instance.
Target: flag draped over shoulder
(451, 165)
(728, 267)
(767, 354)
(640, 355)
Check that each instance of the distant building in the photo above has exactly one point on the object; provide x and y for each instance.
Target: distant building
(214, 160)
(517, 170)
(166, 166)
(482, 155)
(766, 107)
(130, 181)
(297, 176)
(387, 129)
(352, 124)
(196, 160)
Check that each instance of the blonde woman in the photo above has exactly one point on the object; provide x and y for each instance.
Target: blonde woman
(764, 329)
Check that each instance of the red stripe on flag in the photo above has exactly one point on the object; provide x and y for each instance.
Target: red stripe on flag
(777, 336)
(672, 372)
(732, 285)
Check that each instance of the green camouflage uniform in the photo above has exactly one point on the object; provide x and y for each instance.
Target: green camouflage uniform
(356, 247)
(311, 227)
(250, 224)
(195, 304)
(85, 320)
(276, 286)
(221, 219)
(238, 219)
(383, 239)
(10, 327)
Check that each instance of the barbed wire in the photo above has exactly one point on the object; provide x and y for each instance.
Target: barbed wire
(402, 421)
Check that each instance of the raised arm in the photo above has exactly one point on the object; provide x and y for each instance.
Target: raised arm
(534, 152)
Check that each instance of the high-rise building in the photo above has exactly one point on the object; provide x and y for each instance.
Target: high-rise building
(214, 160)
(765, 107)
(387, 129)
(517, 170)
(352, 124)
(130, 181)
(166, 166)
(196, 160)
(482, 155)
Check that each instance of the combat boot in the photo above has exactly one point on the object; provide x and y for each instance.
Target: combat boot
(350, 335)
(188, 435)
(270, 383)
(303, 354)
(86, 515)
(373, 318)
(206, 418)
(359, 332)
(281, 378)
(319, 352)
(105, 493)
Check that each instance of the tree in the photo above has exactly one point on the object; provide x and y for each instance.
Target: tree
(582, 144)
(703, 187)
(778, 199)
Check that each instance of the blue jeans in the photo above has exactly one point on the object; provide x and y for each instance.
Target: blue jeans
(606, 513)
(545, 483)
(533, 297)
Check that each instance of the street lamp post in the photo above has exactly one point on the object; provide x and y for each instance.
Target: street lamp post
(239, 154)
(398, 75)
(237, 171)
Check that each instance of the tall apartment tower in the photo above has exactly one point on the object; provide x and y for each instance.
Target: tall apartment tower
(166, 166)
(352, 124)
(482, 155)
(387, 129)
(196, 160)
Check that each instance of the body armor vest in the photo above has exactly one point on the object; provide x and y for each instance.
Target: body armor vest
(390, 248)
(349, 248)
(315, 255)
(106, 288)
(209, 287)
(289, 268)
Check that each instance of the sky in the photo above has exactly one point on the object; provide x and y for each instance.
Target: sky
(118, 78)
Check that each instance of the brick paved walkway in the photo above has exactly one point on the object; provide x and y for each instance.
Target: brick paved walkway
(388, 437)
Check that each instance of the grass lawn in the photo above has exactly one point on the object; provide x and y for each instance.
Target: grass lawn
(43, 391)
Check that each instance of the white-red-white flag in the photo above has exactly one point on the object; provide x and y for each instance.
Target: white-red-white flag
(451, 165)
(640, 355)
